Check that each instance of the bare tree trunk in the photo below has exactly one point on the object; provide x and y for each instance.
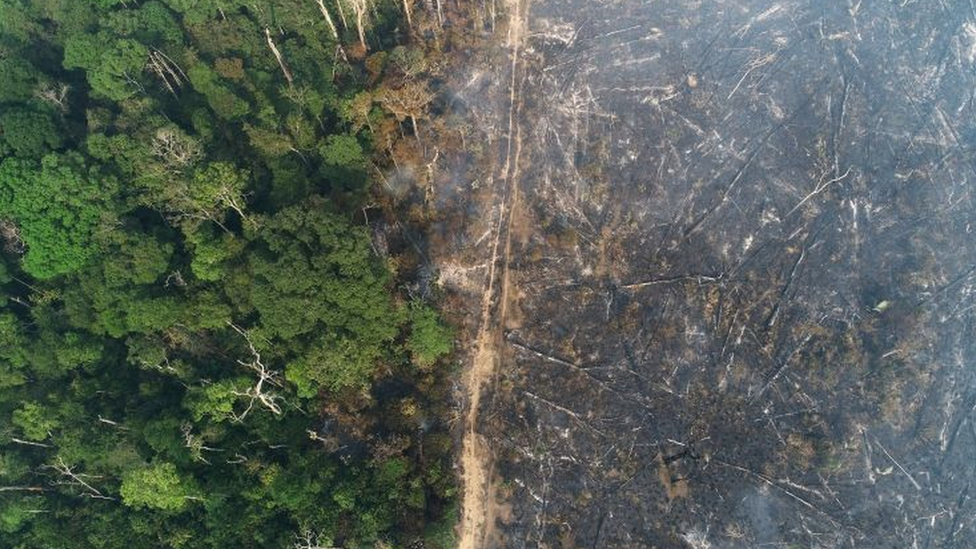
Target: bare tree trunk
(228, 198)
(440, 15)
(406, 11)
(267, 398)
(360, 7)
(76, 478)
(29, 443)
(342, 15)
(111, 422)
(429, 192)
(157, 68)
(416, 130)
(57, 96)
(328, 19)
(277, 54)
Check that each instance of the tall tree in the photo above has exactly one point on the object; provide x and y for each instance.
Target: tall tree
(58, 205)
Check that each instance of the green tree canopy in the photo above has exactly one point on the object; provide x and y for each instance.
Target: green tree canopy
(13, 353)
(196, 334)
(28, 133)
(35, 420)
(18, 77)
(429, 339)
(113, 66)
(314, 276)
(158, 486)
(58, 205)
(313, 270)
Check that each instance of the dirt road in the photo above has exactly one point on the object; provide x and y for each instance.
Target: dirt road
(478, 509)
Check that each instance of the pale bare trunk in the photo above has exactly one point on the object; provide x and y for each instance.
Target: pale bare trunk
(342, 15)
(328, 20)
(259, 393)
(406, 11)
(76, 478)
(359, 6)
(277, 54)
(30, 443)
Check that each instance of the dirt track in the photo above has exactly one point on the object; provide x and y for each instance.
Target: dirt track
(478, 509)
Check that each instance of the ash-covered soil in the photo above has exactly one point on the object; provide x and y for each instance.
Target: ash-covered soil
(741, 300)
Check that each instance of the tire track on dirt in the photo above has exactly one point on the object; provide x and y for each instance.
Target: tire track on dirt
(479, 506)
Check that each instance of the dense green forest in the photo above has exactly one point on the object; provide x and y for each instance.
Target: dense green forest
(204, 343)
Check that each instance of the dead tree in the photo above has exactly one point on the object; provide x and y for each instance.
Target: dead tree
(129, 79)
(21, 489)
(167, 70)
(696, 539)
(429, 193)
(821, 187)
(55, 95)
(195, 444)
(113, 423)
(262, 393)
(342, 15)
(308, 539)
(330, 444)
(408, 101)
(77, 479)
(13, 242)
(176, 149)
(328, 19)
(359, 9)
(16, 440)
(231, 197)
(406, 12)
(278, 57)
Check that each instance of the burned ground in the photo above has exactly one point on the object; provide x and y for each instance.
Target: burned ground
(742, 275)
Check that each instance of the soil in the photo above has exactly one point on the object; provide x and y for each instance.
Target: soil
(479, 504)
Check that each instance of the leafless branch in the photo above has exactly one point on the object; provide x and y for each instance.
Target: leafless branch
(259, 394)
(278, 57)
